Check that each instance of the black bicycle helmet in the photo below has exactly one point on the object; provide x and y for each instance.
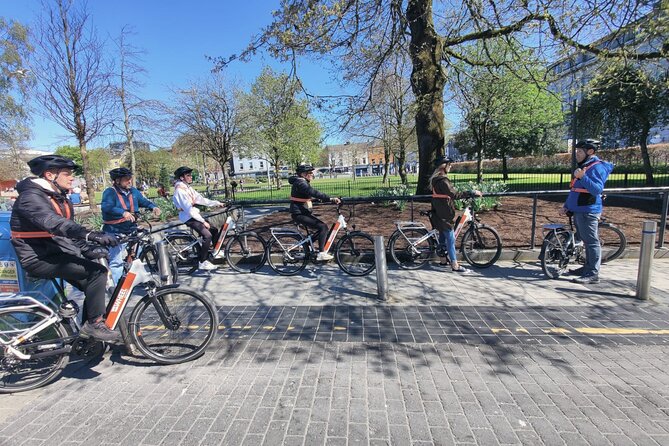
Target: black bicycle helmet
(443, 160)
(181, 171)
(120, 172)
(588, 144)
(46, 162)
(304, 168)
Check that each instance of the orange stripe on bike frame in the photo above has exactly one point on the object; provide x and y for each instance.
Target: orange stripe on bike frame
(333, 234)
(120, 302)
(463, 221)
(221, 236)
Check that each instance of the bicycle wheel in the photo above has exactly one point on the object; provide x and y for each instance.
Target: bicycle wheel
(185, 250)
(150, 258)
(406, 252)
(613, 242)
(285, 255)
(554, 259)
(174, 325)
(481, 246)
(354, 254)
(19, 375)
(246, 252)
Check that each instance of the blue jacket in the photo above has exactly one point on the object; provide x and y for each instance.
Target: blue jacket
(112, 209)
(585, 195)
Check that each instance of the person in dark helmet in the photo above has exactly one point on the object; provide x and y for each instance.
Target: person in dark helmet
(119, 204)
(301, 196)
(585, 202)
(49, 243)
(443, 209)
(185, 198)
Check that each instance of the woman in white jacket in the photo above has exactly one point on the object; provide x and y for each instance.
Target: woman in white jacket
(185, 198)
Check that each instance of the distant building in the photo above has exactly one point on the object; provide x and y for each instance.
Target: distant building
(573, 73)
(366, 158)
(118, 149)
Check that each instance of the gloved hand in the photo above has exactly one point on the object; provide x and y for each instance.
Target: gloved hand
(99, 252)
(102, 239)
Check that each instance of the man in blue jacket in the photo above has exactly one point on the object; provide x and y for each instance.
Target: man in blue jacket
(119, 204)
(585, 202)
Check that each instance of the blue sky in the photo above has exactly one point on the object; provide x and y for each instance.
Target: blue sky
(176, 35)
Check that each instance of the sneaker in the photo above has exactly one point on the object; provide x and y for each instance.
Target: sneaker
(98, 330)
(594, 278)
(219, 256)
(461, 269)
(576, 271)
(324, 257)
(207, 266)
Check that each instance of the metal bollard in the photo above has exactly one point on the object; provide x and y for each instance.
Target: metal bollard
(646, 259)
(381, 267)
(163, 263)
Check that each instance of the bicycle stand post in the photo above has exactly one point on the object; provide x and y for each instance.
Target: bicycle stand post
(381, 267)
(646, 259)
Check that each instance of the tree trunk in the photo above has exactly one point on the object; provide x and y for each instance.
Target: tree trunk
(479, 164)
(401, 168)
(386, 161)
(505, 170)
(647, 167)
(90, 189)
(427, 82)
(277, 178)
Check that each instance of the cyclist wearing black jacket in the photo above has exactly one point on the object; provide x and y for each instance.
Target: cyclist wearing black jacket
(49, 243)
(301, 196)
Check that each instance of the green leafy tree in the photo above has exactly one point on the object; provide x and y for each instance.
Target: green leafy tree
(505, 114)
(624, 102)
(15, 85)
(357, 37)
(277, 125)
(73, 153)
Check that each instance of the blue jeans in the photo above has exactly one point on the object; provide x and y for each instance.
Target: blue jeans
(587, 230)
(447, 242)
(116, 257)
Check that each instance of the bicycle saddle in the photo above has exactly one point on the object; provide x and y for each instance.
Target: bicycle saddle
(553, 226)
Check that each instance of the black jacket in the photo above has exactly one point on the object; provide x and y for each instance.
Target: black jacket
(302, 189)
(34, 211)
(443, 209)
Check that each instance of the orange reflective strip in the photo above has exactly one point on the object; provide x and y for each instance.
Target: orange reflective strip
(115, 222)
(123, 205)
(59, 211)
(577, 189)
(300, 200)
(573, 180)
(31, 234)
(441, 196)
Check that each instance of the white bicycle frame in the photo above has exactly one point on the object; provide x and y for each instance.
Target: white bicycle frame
(227, 226)
(462, 221)
(334, 230)
(50, 319)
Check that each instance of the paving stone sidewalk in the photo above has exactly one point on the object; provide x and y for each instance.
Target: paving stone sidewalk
(495, 363)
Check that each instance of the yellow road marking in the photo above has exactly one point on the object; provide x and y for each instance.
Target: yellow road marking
(522, 330)
(269, 327)
(501, 330)
(340, 328)
(620, 331)
(557, 331)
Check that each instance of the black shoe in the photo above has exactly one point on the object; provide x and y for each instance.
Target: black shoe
(576, 271)
(99, 331)
(594, 278)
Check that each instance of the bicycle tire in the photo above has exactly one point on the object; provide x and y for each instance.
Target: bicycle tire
(188, 260)
(195, 323)
(405, 253)
(481, 246)
(17, 375)
(246, 252)
(150, 258)
(354, 254)
(612, 240)
(287, 263)
(554, 260)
